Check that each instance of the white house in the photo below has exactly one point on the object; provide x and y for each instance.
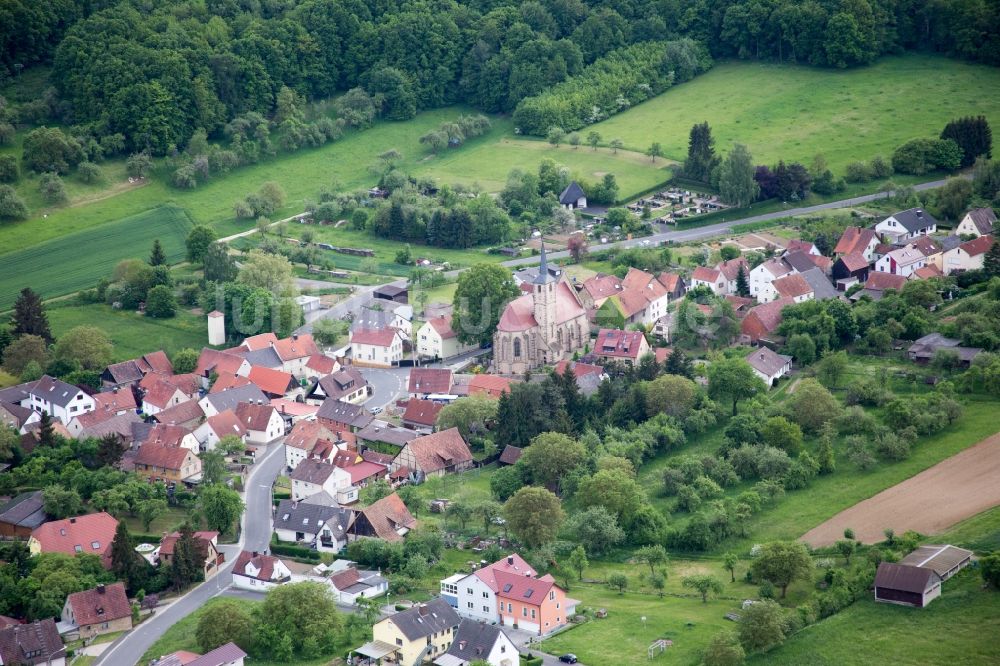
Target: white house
(902, 261)
(968, 256)
(977, 222)
(218, 426)
(324, 527)
(762, 277)
(257, 572)
(382, 314)
(474, 642)
(263, 423)
(313, 476)
(160, 395)
(304, 439)
(351, 583)
(377, 348)
(474, 595)
(436, 339)
(709, 277)
(906, 225)
(769, 365)
(58, 399)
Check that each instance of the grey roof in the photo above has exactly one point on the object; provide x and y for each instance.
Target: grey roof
(120, 424)
(905, 578)
(126, 372)
(14, 415)
(799, 260)
(371, 317)
(571, 194)
(231, 398)
(821, 286)
(355, 416)
(544, 275)
(224, 654)
(766, 361)
(340, 383)
(35, 643)
(983, 218)
(940, 559)
(425, 619)
(948, 242)
(474, 640)
(322, 498)
(380, 431)
(309, 518)
(25, 510)
(55, 391)
(312, 471)
(914, 219)
(140, 431)
(265, 357)
(18, 393)
(936, 340)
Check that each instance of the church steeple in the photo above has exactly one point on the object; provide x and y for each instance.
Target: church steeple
(544, 277)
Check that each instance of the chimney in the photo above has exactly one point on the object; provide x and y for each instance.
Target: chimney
(72, 521)
(295, 336)
(422, 609)
(254, 554)
(100, 588)
(510, 559)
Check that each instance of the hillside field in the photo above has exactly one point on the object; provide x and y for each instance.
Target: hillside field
(78, 260)
(792, 113)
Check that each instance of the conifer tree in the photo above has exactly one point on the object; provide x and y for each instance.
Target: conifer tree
(186, 565)
(742, 284)
(127, 565)
(29, 316)
(157, 256)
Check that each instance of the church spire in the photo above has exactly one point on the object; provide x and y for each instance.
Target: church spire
(544, 277)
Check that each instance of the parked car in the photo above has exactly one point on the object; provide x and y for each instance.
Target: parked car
(568, 658)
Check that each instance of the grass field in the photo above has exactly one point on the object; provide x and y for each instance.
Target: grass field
(792, 113)
(958, 628)
(77, 261)
(980, 532)
(132, 334)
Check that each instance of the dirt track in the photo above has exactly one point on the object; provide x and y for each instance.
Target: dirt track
(930, 502)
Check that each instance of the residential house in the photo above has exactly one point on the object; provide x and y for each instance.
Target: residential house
(214, 362)
(540, 327)
(187, 414)
(100, 610)
(597, 289)
(857, 240)
(159, 394)
(208, 545)
(674, 284)
(346, 385)
(761, 279)
(623, 346)
(901, 261)
(227, 380)
(293, 411)
(420, 633)
(730, 270)
(275, 383)
(213, 403)
(762, 320)
(906, 584)
(769, 365)
(491, 386)
(475, 642)
(923, 350)
(878, 283)
(387, 519)
(588, 376)
(573, 197)
(58, 399)
(906, 225)
(22, 514)
(798, 245)
(474, 595)
(91, 533)
(121, 425)
(342, 416)
(218, 426)
(793, 286)
(711, 278)
(313, 476)
(351, 584)
(259, 572)
(229, 654)
(293, 352)
(425, 382)
(168, 464)
(115, 401)
(130, 373)
(376, 348)
(304, 440)
(262, 422)
(320, 365)
(977, 222)
(968, 256)
(850, 268)
(437, 340)
(433, 455)
(822, 288)
(33, 644)
(383, 436)
(172, 436)
(16, 417)
(384, 314)
(313, 525)
(535, 605)
(421, 415)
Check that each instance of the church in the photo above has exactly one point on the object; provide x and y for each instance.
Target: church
(541, 327)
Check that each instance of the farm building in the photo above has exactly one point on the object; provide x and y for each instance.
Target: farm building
(945, 561)
(906, 584)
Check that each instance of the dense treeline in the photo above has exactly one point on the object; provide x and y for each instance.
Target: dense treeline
(156, 71)
(612, 84)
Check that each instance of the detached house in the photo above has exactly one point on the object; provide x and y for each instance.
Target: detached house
(377, 348)
(475, 642)
(258, 572)
(159, 395)
(34, 644)
(977, 222)
(207, 542)
(352, 583)
(436, 339)
(262, 422)
(536, 605)
(710, 278)
(762, 278)
(58, 399)
(425, 382)
(91, 533)
(768, 365)
(313, 476)
(906, 225)
(129, 373)
(968, 256)
(304, 440)
(167, 464)
(346, 385)
(856, 240)
(421, 415)
(433, 455)
(902, 261)
(325, 527)
(387, 519)
(101, 610)
(624, 346)
(421, 633)
(573, 197)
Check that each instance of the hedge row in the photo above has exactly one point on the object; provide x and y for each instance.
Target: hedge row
(612, 84)
(295, 551)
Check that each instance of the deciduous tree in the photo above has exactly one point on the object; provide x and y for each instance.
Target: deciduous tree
(733, 379)
(224, 621)
(736, 177)
(534, 516)
(781, 563)
(480, 297)
(704, 584)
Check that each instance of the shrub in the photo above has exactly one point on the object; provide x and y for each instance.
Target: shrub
(52, 188)
(857, 172)
(918, 156)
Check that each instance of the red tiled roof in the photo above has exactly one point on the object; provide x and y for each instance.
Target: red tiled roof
(528, 590)
(978, 246)
(386, 515)
(926, 245)
(519, 314)
(422, 412)
(115, 401)
(164, 457)
(186, 412)
(670, 281)
(854, 239)
(442, 324)
(227, 380)
(430, 380)
(221, 656)
(490, 385)
(167, 543)
(764, 318)
(878, 281)
(512, 565)
(854, 261)
(63, 536)
(602, 286)
(821, 262)
(731, 268)
(792, 286)
(378, 337)
(155, 362)
(705, 274)
(511, 454)
(631, 302)
(263, 563)
(163, 434)
(213, 360)
(344, 579)
(305, 434)
(579, 369)
(271, 381)
(254, 417)
(296, 346)
(158, 393)
(662, 353)
(226, 423)
(257, 342)
(800, 245)
(364, 470)
(104, 603)
(440, 450)
(619, 344)
(322, 364)
(927, 272)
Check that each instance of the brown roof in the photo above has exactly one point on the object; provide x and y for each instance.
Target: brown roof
(163, 457)
(662, 354)
(926, 245)
(904, 577)
(322, 364)
(263, 563)
(797, 244)
(305, 434)
(221, 656)
(254, 417)
(388, 514)
(854, 239)
(821, 262)
(376, 457)
(941, 559)
(602, 286)
(212, 360)
(983, 219)
(226, 423)
(490, 385)
(705, 274)
(159, 392)
(978, 246)
(185, 412)
(296, 346)
(440, 450)
(312, 471)
(63, 536)
(430, 380)
(378, 337)
(731, 268)
(442, 324)
(170, 436)
(764, 318)
(631, 302)
(167, 543)
(927, 272)
(619, 344)
(854, 261)
(271, 381)
(39, 639)
(670, 281)
(792, 286)
(422, 412)
(511, 454)
(878, 281)
(227, 380)
(115, 401)
(344, 579)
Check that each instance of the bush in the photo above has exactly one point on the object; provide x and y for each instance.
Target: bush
(8, 169)
(918, 156)
(11, 205)
(90, 173)
(295, 551)
(857, 172)
(52, 188)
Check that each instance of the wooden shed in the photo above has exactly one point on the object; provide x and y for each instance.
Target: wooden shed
(906, 585)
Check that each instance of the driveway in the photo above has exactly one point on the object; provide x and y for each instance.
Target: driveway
(255, 535)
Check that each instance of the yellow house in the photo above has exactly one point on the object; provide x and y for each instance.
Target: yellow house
(419, 634)
(166, 463)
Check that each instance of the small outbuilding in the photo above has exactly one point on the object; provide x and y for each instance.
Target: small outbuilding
(906, 584)
(573, 197)
(393, 293)
(945, 561)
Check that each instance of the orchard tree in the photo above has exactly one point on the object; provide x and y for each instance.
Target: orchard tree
(482, 293)
(733, 379)
(655, 150)
(23, 352)
(578, 561)
(138, 164)
(551, 457)
(534, 515)
(220, 507)
(198, 240)
(762, 626)
(596, 529)
(781, 563)
(704, 585)
(618, 581)
(724, 650)
(652, 556)
(593, 139)
(729, 562)
(224, 621)
(616, 144)
(87, 345)
(846, 547)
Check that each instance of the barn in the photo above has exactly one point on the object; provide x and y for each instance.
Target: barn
(945, 561)
(906, 585)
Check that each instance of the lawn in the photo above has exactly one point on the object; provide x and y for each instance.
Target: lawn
(980, 532)
(131, 333)
(170, 521)
(77, 261)
(792, 113)
(181, 636)
(958, 628)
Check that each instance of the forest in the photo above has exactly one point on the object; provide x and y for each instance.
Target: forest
(155, 71)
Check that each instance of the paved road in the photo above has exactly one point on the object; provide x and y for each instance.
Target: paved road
(256, 535)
